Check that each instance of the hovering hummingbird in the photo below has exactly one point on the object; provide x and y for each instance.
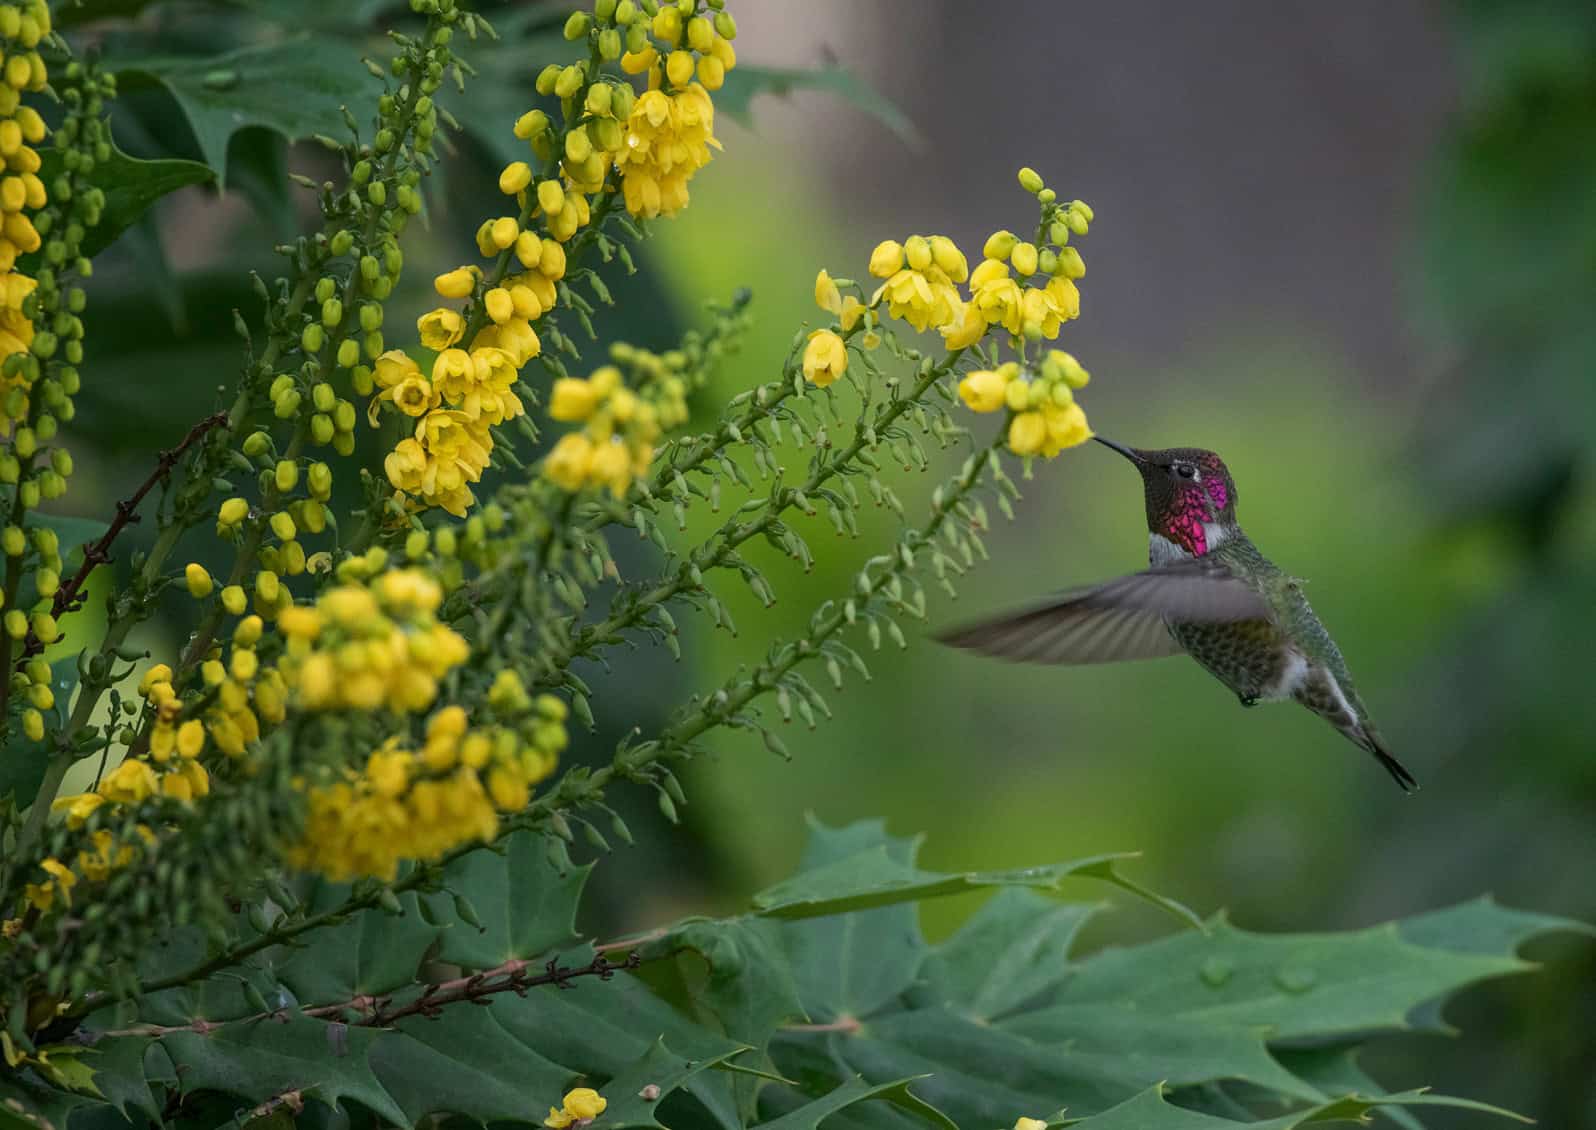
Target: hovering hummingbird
(1209, 594)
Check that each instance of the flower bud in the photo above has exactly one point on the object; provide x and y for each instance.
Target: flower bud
(999, 244)
(198, 580)
(1030, 180)
(515, 177)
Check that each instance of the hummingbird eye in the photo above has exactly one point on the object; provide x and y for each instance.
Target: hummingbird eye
(1185, 470)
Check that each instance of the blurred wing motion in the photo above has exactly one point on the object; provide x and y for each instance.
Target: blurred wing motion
(1120, 619)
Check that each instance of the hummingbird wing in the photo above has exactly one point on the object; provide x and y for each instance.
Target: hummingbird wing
(1121, 619)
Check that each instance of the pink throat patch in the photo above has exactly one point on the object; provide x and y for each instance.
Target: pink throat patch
(1186, 523)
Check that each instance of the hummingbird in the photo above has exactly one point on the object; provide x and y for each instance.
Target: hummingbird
(1209, 594)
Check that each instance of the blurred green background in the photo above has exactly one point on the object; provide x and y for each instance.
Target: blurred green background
(1351, 248)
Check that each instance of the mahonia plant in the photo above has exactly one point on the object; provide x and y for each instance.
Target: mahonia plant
(366, 724)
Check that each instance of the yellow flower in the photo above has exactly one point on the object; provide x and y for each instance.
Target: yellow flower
(457, 283)
(190, 738)
(983, 390)
(79, 807)
(1030, 1124)
(668, 139)
(572, 399)
(923, 298)
(1066, 427)
(515, 177)
(827, 296)
(611, 466)
(440, 328)
(825, 358)
(198, 580)
(567, 464)
(394, 366)
(999, 301)
(130, 782)
(852, 311)
(414, 396)
(964, 330)
(887, 259)
(581, 1105)
(1027, 433)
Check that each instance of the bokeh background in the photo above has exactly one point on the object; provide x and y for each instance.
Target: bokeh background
(1350, 247)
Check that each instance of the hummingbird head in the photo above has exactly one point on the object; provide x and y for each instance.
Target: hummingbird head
(1191, 498)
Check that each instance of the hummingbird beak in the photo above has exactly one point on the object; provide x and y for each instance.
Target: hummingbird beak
(1128, 452)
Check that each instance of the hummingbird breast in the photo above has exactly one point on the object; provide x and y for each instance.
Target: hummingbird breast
(1251, 657)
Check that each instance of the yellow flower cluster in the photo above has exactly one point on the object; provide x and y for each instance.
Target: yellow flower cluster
(671, 128)
(578, 1108)
(420, 803)
(94, 862)
(1046, 418)
(617, 444)
(22, 27)
(921, 278)
(368, 646)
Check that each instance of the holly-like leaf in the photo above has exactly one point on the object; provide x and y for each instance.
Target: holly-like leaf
(748, 81)
(1150, 1111)
(295, 87)
(1288, 985)
(131, 187)
(852, 965)
(374, 953)
(525, 899)
(1012, 950)
(659, 1073)
(257, 1060)
(856, 1090)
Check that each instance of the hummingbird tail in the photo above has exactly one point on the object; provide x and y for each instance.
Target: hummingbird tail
(1398, 771)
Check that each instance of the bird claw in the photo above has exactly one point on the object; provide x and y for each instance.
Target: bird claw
(1248, 699)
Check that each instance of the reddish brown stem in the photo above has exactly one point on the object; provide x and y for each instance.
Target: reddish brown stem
(69, 597)
(514, 976)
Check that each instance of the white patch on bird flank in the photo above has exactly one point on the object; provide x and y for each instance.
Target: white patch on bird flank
(1162, 551)
(1292, 675)
(1216, 534)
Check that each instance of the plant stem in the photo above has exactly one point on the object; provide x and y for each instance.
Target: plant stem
(734, 533)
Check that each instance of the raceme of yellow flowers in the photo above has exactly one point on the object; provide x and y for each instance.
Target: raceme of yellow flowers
(1025, 289)
(655, 142)
(617, 444)
(369, 647)
(21, 27)
(418, 803)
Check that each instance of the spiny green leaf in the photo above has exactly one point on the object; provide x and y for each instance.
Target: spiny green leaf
(296, 88)
(747, 81)
(1484, 926)
(526, 906)
(131, 187)
(1289, 985)
(256, 1060)
(873, 878)
(1012, 950)
(659, 1068)
(374, 953)
(1149, 1111)
(851, 965)
(856, 1090)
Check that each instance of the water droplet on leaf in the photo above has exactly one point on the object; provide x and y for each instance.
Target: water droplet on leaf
(1215, 972)
(1296, 979)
